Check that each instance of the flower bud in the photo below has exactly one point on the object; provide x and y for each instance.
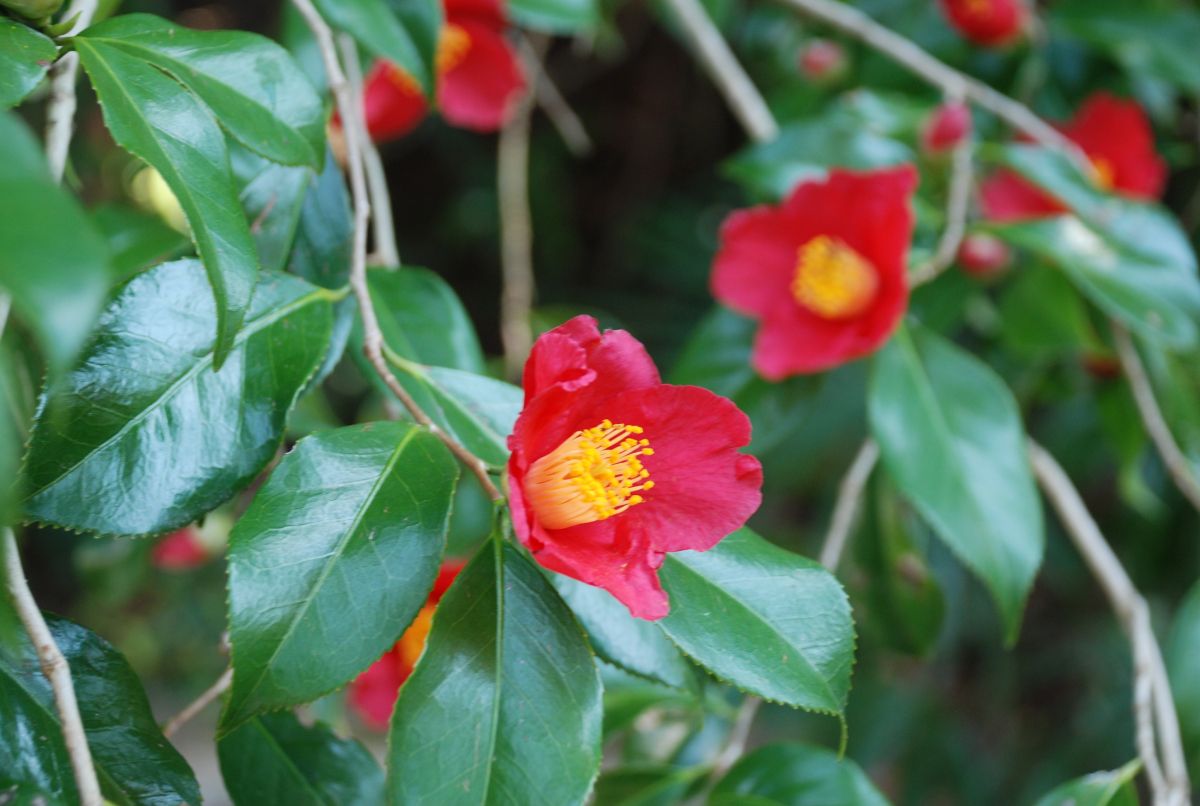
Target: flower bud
(991, 23)
(945, 128)
(822, 60)
(982, 255)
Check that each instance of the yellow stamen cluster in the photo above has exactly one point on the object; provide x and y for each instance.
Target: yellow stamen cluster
(453, 45)
(1103, 173)
(979, 8)
(412, 643)
(592, 475)
(832, 280)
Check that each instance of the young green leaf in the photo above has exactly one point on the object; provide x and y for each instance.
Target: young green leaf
(1183, 667)
(134, 763)
(952, 440)
(57, 283)
(272, 197)
(653, 785)
(150, 116)
(556, 16)
(340, 547)
(505, 704)
(274, 759)
(793, 774)
(324, 236)
(423, 320)
(1113, 788)
(25, 56)
(764, 619)
(145, 407)
(409, 40)
(252, 85)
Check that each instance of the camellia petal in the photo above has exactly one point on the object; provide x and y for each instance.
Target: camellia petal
(992, 23)
(481, 91)
(393, 103)
(611, 468)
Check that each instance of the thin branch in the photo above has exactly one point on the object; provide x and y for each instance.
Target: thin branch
(849, 502)
(56, 670)
(962, 169)
(516, 239)
(724, 70)
(199, 704)
(60, 111)
(1158, 725)
(351, 114)
(739, 734)
(550, 100)
(1173, 458)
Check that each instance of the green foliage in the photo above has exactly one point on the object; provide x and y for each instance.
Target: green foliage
(25, 56)
(1098, 789)
(405, 33)
(795, 775)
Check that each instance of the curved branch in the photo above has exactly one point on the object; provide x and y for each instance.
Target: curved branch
(199, 704)
(60, 112)
(962, 169)
(516, 237)
(849, 502)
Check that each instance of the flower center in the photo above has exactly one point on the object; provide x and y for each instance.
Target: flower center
(832, 280)
(412, 643)
(400, 77)
(453, 44)
(1103, 173)
(592, 475)
(978, 8)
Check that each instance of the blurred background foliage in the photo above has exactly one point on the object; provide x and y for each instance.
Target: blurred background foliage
(941, 710)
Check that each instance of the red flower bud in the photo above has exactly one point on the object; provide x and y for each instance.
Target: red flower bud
(946, 127)
(181, 550)
(991, 23)
(983, 255)
(822, 60)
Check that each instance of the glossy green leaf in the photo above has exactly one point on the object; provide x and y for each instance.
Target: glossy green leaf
(272, 197)
(647, 786)
(16, 412)
(793, 774)
(408, 39)
(951, 438)
(423, 320)
(505, 704)
(633, 644)
(57, 283)
(25, 56)
(340, 548)
(1182, 653)
(1043, 316)
(1114, 788)
(251, 84)
(134, 763)
(152, 117)
(785, 631)
(556, 16)
(325, 233)
(145, 431)
(273, 759)
(136, 240)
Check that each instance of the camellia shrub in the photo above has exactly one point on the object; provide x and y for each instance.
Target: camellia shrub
(563, 402)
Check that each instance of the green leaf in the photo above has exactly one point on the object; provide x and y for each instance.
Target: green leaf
(422, 319)
(408, 39)
(145, 407)
(1043, 316)
(633, 644)
(252, 85)
(57, 283)
(771, 622)
(556, 16)
(150, 116)
(792, 774)
(135, 239)
(325, 234)
(16, 412)
(273, 759)
(272, 196)
(340, 547)
(505, 704)
(1113, 788)
(134, 763)
(951, 438)
(647, 786)
(1182, 653)
(25, 56)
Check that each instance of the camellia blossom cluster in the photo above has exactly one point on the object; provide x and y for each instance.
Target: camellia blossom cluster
(611, 468)
(479, 76)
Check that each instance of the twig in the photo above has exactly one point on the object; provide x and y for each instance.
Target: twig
(60, 111)
(516, 239)
(725, 71)
(1158, 725)
(849, 501)
(199, 704)
(1173, 458)
(551, 101)
(383, 225)
(56, 670)
(957, 203)
(350, 112)
(739, 734)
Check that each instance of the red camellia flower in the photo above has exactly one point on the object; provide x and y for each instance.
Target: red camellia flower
(1117, 139)
(824, 272)
(181, 550)
(946, 127)
(986, 22)
(611, 468)
(373, 693)
(479, 77)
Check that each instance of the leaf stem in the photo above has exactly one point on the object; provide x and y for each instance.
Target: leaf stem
(199, 704)
(516, 237)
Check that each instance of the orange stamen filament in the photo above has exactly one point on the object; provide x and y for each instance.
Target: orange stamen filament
(453, 44)
(593, 475)
(832, 280)
(1103, 173)
(979, 8)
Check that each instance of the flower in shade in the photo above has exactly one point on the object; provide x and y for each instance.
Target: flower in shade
(991, 23)
(180, 550)
(611, 468)
(946, 127)
(1118, 141)
(373, 693)
(479, 77)
(824, 272)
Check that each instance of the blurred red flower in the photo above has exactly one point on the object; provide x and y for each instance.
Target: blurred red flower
(1117, 138)
(824, 272)
(986, 22)
(373, 693)
(821, 60)
(179, 551)
(611, 468)
(479, 77)
(946, 127)
(983, 255)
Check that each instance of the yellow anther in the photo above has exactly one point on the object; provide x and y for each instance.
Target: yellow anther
(453, 45)
(594, 474)
(1103, 173)
(832, 280)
